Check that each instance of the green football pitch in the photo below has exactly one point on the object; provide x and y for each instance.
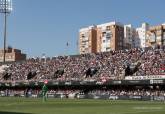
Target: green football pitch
(66, 106)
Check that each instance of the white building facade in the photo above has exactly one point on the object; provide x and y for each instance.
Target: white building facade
(130, 37)
(142, 34)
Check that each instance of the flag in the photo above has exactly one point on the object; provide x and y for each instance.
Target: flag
(67, 44)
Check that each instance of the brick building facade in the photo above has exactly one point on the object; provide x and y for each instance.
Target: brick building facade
(12, 55)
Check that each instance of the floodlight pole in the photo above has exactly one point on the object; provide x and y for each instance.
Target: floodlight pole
(5, 35)
(5, 8)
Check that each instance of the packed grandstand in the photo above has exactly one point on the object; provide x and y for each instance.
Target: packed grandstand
(100, 75)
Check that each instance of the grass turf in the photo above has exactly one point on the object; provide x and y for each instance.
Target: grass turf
(65, 106)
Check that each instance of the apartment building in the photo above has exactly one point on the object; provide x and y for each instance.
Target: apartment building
(110, 36)
(131, 39)
(156, 36)
(88, 40)
(101, 38)
(116, 36)
(141, 34)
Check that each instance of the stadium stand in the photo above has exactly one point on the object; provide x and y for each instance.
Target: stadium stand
(96, 76)
(114, 65)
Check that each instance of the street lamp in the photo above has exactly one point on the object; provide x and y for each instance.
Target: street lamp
(5, 8)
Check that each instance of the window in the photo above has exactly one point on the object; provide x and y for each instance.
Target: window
(103, 34)
(153, 38)
(82, 35)
(108, 49)
(159, 32)
(109, 35)
(108, 27)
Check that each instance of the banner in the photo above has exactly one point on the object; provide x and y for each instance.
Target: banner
(145, 77)
(83, 83)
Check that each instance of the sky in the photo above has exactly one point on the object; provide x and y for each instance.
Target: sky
(40, 27)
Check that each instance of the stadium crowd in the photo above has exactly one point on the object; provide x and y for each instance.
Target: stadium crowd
(105, 65)
(123, 92)
(67, 93)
